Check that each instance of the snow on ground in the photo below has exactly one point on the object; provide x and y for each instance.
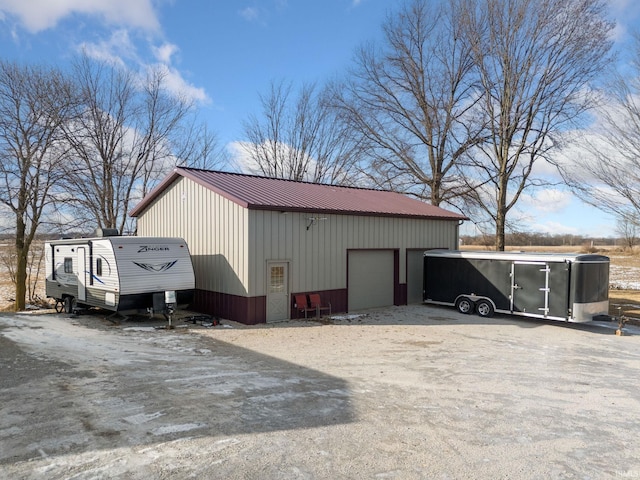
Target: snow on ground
(624, 277)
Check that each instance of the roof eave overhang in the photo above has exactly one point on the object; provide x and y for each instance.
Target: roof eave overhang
(282, 209)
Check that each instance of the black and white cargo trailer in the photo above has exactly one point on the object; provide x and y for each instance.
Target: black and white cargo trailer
(573, 287)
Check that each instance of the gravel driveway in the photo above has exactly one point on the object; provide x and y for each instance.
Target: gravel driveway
(413, 392)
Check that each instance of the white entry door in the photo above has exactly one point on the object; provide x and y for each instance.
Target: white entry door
(82, 274)
(277, 291)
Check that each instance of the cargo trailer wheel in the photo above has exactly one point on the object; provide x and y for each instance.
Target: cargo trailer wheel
(464, 305)
(484, 308)
(69, 304)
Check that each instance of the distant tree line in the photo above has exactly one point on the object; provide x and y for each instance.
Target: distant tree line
(526, 239)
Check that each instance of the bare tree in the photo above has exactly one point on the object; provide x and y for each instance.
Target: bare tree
(160, 119)
(534, 60)
(34, 268)
(200, 148)
(34, 103)
(121, 141)
(602, 163)
(298, 137)
(628, 228)
(410, 102)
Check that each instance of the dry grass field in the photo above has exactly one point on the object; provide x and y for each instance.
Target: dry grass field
(624, 293)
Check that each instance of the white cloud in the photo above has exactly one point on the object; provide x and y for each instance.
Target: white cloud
(39, 15)
(120, 50)
(548, 200)
(124, 47)
(243, 162)
(164, 52)
(587, 229)
(116, 50)
(241, 159)
(625, 13)
(250, 14)
(174, 81)
(176, 84)
(556, 228)
(544, 169)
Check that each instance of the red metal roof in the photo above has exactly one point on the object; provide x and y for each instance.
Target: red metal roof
(265, 193)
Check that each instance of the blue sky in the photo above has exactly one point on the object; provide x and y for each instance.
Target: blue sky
(223, 53)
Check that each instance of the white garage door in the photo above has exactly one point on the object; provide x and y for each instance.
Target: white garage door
(415, 272)
(370, 279)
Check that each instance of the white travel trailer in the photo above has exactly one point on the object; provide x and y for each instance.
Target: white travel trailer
(121, 274)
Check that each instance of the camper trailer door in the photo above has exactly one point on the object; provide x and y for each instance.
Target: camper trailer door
(82, 274)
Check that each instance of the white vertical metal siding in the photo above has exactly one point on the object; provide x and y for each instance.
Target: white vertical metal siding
(317, 255)
(214, 227)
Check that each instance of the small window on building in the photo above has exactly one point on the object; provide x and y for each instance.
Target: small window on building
(276, 281)
(68, 265)
(99, 267)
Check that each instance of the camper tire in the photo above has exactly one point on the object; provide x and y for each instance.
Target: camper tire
(464, 305)
(69, 304)
(484, 308)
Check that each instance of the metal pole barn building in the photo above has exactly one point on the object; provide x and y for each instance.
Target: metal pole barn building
(256, 242)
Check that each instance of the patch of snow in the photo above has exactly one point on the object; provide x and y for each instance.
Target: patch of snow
(348, 317)
(141, 418)
(177, 428)
(139, 329)
(624, 278)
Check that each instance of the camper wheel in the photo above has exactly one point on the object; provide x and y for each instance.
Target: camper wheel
(484, 308)
(464, 305)
(69, 304)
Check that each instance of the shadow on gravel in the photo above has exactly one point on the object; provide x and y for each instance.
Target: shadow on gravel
(141, 388)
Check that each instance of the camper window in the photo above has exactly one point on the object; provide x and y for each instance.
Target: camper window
(99, 267)
(68, 265)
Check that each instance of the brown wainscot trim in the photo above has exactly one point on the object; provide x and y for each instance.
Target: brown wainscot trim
(247, 310)
(400, 294)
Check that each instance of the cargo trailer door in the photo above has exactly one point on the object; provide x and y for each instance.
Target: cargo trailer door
(530, 289)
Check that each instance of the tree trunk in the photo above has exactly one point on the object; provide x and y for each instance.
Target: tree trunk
(21, 266)
(500, 223)
(436, 186)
